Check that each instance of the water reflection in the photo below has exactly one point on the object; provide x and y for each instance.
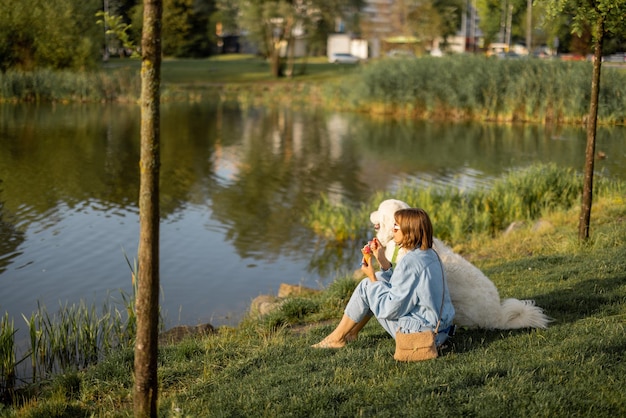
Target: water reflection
(234, 184)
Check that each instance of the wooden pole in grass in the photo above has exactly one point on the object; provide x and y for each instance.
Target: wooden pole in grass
(147, 304)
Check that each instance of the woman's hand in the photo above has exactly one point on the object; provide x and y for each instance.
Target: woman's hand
(368, 270)
(377, 249)
(379, 252)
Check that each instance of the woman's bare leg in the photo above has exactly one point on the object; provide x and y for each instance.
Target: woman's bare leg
(354, 332)
(346, 331)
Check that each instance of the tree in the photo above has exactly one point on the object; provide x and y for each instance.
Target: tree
(186, 31)
(450, 12)
(268, 24)
(426, 23)
(603, 17)
(272, 24)
(502, 21)
(147, 304)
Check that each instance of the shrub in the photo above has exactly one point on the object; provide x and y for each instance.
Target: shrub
(486, 88)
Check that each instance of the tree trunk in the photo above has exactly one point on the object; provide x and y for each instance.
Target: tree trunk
(592, 121)
(147, 303)
(275, 64)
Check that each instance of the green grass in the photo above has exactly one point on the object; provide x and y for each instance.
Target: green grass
(265, 367)
(236, 68)
(520, 196)
(228, 77)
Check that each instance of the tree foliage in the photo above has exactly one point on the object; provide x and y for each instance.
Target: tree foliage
(495, 16)
(274, 25)
(115, 26)
(186, 28)
(450, 13)
(40, 33)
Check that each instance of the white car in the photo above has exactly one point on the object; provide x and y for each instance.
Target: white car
(343, 58)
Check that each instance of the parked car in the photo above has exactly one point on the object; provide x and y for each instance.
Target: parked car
(617, 57)
(400, 53)
(508, 55)
(343, 58)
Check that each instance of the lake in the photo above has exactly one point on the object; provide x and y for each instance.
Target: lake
(234, 184)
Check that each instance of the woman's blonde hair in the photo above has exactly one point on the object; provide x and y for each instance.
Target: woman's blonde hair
(416, 227)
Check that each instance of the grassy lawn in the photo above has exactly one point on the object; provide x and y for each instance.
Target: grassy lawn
(266, 368)
(237, 68)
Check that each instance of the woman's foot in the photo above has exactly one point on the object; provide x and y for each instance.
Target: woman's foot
(329, 343)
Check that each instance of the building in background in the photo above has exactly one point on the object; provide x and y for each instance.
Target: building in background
(387, 30)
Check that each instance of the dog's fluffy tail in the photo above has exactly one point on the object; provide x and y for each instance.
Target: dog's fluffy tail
(522, 314)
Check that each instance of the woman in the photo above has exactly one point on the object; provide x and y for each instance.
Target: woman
(406, 298)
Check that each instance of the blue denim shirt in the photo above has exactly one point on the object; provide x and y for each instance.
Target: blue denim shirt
(411, 293)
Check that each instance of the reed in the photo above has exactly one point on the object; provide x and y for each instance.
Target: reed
(338, 222)
(7, 356)
(65, 86)
(523, 195)
(73, 338)
(80, 335)
(467, 87)
(476, 87)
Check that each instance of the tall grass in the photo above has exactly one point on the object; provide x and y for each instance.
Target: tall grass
(245, 78)
(76, 336)
(7, 355)
(73, 338)
(334, 220)
(483, 88)
(65, 86)
(451, 87)
(518, 196)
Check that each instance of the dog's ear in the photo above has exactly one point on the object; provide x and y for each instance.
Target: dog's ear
(384, 217)
(375, 217)
(387, 222)
(385, 232)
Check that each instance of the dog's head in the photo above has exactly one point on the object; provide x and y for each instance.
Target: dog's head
(383, 219)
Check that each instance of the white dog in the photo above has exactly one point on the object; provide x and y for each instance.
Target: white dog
(475, 297)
